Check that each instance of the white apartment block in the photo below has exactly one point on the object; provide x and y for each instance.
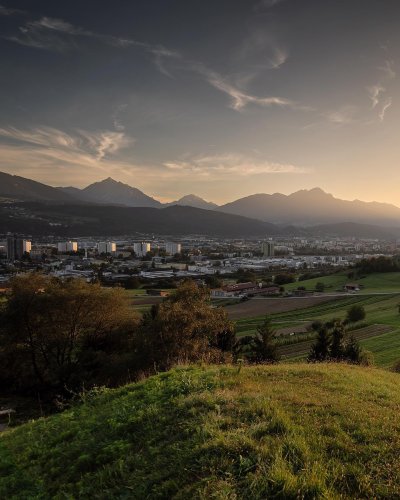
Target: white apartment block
(107, 247)
(173, 248)
(67, 246)
(141, 248)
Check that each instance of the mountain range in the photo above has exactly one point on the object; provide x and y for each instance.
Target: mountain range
(303, 208)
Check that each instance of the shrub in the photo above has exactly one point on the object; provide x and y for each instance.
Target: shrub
(355, 313)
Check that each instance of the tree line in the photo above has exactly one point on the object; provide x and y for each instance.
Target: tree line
(57, 336)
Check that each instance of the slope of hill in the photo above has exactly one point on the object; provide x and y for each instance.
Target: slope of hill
(97, 220)
(313, 206)
(285, 431)
(19, 188)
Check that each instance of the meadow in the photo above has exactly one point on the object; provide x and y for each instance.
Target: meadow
(284, 431)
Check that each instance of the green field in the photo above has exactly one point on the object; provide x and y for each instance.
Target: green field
(325, 431)
(377, 283)
(380, 309)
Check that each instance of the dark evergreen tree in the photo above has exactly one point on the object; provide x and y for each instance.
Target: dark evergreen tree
(353, 351)
(263, 346)
(337, 348)
(320, 350)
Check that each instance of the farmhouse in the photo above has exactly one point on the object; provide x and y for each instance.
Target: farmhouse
(352, 287)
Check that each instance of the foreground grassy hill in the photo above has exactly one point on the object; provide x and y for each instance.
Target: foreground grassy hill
(285, 431)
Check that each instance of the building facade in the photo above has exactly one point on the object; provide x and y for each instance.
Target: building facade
(141, 248)
(67, 246)
(107, 247)
(17, 247)
(172, 248)
(267, 249)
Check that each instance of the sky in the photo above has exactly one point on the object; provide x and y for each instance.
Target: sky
(220, 98)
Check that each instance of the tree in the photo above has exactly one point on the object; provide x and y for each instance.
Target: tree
(331, 344)
(320, 287)
(213, 281)
(284, 279)
(263, 348)
(337, 348)
(320, 350)
(355, 313)
(185, 328)
(353, 351)
(132, 283)
(57, 334)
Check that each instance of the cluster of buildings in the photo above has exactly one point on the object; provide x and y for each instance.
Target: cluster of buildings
(249, 289)
(17, 247)
(153, 258)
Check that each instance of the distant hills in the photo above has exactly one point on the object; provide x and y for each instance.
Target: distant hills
(73, 220)
(303, 212)
(191, 200)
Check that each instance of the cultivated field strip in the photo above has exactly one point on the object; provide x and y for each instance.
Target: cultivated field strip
(299, 349)
(333, 307)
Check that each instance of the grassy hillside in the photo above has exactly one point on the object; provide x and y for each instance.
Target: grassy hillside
(286, 431)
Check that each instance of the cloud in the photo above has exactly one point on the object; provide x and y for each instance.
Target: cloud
(116, 117)
(239, 99)
(377, 92)
(388, 70)
(57, 158)
(385, 106)
(6, 11)
(279, 58)
(96, 145)
(223, 166)
(341, 116)
(60, 36)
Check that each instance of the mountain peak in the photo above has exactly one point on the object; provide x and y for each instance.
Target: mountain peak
(192, 200)
(110, 191)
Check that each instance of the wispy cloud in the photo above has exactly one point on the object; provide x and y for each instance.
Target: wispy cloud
(239, 99)
(343, 115)
(58, 158)
(378, 92)
(95, 145)
(388, 69)
(279, 58)
(222, 166)
(375, 92)
(385, 106)
(60, 36)
(6, 11)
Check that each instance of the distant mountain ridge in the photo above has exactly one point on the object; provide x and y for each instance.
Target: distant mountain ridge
(310, 207)
(302, 208)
